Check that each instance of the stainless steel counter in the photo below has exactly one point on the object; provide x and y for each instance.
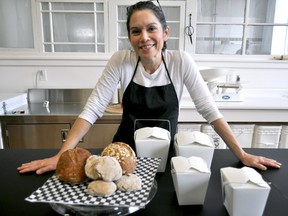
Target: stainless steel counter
(46, 118)
(36, 112)
(41, 127)
(37, 109)
(59, 103)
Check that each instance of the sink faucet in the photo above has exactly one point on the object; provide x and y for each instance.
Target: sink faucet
(4, 107)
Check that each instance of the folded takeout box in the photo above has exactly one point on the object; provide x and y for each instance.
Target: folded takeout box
(153, 142)
(194, 143)
(190, 177)
(244, 191)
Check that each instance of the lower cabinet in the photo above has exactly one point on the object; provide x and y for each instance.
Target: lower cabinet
(99, 136)
(49, 136)
(42, 136)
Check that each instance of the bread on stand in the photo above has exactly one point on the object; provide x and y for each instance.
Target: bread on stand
(71, 166)
(129, 183)
(115, 165)
(101, 188)
(124, 154)
(106, 168)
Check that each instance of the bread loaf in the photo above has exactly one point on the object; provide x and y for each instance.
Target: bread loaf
(71, 166)
(124, 154)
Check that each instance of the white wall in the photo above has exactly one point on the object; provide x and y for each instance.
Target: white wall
(18, 73)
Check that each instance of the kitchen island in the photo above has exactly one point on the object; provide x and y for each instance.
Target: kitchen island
(15, 187)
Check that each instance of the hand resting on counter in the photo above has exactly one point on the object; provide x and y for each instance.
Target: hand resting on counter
(259, 162)
(40, 166)
(224, 131)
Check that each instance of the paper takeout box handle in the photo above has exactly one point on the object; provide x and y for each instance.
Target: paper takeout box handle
(152, 132)
(195, 137)
(183, 164)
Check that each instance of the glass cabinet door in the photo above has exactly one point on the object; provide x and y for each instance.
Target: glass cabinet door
(16, 24)
(249, 27)
(73, 26)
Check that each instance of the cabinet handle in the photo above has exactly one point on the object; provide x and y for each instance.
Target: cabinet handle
(64, 134)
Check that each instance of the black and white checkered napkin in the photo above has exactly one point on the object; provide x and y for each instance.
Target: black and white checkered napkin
(56, 191)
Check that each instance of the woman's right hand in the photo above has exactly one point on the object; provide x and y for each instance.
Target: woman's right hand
(40, 166)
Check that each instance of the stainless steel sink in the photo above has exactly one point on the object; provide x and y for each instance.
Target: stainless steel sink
(58, 95)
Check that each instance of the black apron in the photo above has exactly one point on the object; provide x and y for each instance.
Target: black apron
(152, 104)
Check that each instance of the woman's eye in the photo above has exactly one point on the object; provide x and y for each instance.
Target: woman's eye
(152, 28)
(135, 32)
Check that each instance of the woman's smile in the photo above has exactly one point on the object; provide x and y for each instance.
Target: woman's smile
(146, 47)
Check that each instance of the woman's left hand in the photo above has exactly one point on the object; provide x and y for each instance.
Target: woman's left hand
(259, 162)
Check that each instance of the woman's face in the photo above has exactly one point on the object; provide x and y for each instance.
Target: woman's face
(146, 34)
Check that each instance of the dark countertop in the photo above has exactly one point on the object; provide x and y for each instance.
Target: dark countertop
(15, 187)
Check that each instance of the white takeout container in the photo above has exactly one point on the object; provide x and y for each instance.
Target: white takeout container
(190, 178)
(194, 143)
(153, 142)
(244, 191)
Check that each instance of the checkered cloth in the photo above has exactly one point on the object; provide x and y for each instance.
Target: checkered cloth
(56, 191)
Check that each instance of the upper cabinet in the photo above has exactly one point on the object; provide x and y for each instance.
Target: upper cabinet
(243, 27)
(89, 26)
(217, 27)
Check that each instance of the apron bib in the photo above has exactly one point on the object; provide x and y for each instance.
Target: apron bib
(152, 104)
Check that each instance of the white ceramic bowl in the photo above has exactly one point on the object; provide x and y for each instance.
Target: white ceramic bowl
(212, 74)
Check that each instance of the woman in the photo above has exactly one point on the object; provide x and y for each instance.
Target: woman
(152, 79)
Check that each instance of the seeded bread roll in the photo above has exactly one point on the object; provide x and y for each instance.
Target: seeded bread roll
(71, 166)
(124, 154)
(101, 188)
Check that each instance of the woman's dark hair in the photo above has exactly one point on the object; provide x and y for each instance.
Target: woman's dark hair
(144, 5)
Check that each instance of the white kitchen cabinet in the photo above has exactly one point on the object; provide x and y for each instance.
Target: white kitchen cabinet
(248, 135)
(243, 134)
(188, 127)
(266, 136)
(283, 143)
(216, 139)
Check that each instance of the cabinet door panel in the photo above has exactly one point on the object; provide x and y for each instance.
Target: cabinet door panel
(42, 136)
(99, 136)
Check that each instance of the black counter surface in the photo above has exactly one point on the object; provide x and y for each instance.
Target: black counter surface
(15, 187)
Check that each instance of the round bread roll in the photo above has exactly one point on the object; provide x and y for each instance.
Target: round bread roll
(71, 166)
(101, 188)
(108, 168)
(90, 170)
(124, 154)
(129, 183)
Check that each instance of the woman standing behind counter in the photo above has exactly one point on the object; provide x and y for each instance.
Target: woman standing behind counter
(152, 79)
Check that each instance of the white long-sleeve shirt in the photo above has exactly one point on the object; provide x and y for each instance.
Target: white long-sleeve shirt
(182, 70)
